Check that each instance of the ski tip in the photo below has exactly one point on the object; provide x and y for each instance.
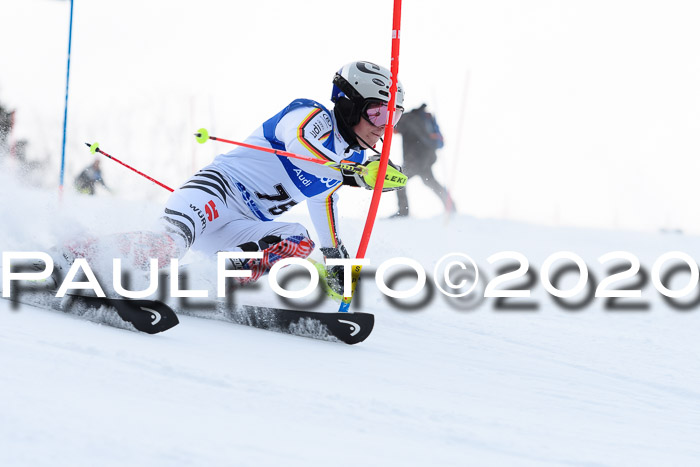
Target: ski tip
(94, 147)
(202, 135)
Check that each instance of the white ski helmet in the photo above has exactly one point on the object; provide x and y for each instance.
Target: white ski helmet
(359, 84)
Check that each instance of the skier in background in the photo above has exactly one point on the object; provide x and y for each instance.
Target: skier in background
(87, 179)
(421, 139)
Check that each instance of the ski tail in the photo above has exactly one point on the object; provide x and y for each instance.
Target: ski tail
(149, 316)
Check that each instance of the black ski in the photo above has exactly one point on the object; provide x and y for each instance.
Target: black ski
(350, 328)
(149, 316)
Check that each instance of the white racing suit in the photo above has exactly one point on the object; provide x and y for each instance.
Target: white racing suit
(231, 204)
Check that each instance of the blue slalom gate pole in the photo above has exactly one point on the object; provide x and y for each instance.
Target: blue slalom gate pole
(65, 109)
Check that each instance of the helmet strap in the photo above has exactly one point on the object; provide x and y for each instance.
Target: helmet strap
(344, 127)
(346, 130)
(368, 146)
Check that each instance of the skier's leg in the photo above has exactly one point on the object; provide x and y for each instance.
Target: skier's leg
(276, 240)
(429, 181)
(199, 209)
(402, 197)
(205, 215)
(189, 213)
(402, 194)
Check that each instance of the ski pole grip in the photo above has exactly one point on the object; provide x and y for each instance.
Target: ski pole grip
(202, 135)
(94, 147)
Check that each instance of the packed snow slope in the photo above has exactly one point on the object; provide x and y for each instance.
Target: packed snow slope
(438, 385)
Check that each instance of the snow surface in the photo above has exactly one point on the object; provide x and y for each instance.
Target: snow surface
(566, 113)
(437, 386)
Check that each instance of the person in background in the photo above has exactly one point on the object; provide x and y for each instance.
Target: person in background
(421, 139)
(85, 182)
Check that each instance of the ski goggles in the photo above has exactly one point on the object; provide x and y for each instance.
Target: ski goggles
(377, 113)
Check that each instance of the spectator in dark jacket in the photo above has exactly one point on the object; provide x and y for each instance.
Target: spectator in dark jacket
(85, 182)
(421, 139)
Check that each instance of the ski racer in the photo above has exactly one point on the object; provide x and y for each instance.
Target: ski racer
(232, 204)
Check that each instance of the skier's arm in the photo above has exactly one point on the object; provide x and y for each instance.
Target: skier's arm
(304, 131)
(393, 180)
(323, 212)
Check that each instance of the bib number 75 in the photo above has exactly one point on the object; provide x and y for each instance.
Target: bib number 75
(281, 195)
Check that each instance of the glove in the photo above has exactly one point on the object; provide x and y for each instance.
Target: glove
(393, 180)
(334, 274)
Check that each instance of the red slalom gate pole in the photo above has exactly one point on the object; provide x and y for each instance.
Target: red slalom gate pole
(384, 158)
(95, 148)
